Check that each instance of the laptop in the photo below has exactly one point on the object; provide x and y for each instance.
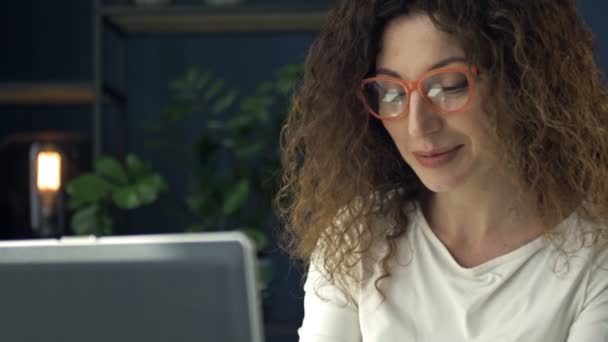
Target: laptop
(173, 287)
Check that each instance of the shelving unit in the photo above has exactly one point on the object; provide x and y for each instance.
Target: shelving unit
(127, 21)
(198, 20)
(60, 94)
(54, 93)
(43, 93)
(130, 22)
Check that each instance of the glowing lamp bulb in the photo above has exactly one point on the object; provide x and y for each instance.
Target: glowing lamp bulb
(48, 171)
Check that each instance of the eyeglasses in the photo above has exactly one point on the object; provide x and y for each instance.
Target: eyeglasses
(446, 90)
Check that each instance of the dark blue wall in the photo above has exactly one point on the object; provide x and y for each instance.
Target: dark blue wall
(243, 60)
(15, 32)
(51, 40)
(594, 13)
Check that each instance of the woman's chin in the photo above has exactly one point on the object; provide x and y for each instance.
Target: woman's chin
(437, 183)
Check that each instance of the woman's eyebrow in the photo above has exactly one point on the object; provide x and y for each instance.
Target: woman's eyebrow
(389, 72)
(437, 65)
(446, 61)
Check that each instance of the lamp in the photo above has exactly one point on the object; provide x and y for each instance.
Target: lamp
(46, 199)
(31, 206)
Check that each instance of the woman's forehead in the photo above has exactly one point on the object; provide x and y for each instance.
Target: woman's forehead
(412, 44)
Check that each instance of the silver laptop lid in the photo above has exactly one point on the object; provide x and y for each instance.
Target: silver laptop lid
(178, 287)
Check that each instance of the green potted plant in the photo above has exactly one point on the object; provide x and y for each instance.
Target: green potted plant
(237, 149)
(237, 158)
(111, 185)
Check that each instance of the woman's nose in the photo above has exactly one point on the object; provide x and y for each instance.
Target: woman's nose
(422, 120)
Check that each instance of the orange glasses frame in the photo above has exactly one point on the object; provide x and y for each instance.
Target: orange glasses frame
(416, 85)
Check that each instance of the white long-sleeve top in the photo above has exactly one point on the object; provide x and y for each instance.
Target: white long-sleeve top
(531, 294)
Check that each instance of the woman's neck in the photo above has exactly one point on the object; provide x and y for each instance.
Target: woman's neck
(475, 214)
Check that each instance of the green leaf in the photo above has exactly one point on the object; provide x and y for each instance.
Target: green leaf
(149, 188)
(176, 112)
(215, 124)
(185, 96)
(202, 80)
(265, 87)
(214, 90)
(263, 116)
(136, 167)
(111, 169)
(286, 86)
(239, 122)
(228, 142)
(254, 104)
(288, 77)
(87, 188)
(187, 88)
(259, 239)
(291, 71)
(177, 84)
(249, 150)
(236, 197)
(105, 224)
(203, 204)
(264, 273)
(193, 74)
(195, 202)
(91, 220)
(84, 221)
(77, 202)
(224, 102)
(127, 198)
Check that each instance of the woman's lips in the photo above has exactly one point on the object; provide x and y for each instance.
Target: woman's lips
(433, 159)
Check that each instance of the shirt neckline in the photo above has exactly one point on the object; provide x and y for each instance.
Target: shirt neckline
(525, 250)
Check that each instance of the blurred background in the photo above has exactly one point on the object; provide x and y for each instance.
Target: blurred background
(159, 116)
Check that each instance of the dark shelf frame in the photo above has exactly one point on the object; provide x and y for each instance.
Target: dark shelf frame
(210, 19)
(135, 20)
(46, 93)
(56, 93)
(125, 21)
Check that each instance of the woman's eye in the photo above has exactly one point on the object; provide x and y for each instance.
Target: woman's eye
(456, 88)
(392, 95)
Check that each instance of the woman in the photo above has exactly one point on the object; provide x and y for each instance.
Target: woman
(446, 174)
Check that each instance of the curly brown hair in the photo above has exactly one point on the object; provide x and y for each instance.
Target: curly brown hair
(548, 105)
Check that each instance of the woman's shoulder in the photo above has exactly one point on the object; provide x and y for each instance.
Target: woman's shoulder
(368, 241)
(581, 244)
(587, 252)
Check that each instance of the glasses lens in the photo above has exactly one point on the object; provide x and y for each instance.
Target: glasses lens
(385, 98)
(449, 91)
